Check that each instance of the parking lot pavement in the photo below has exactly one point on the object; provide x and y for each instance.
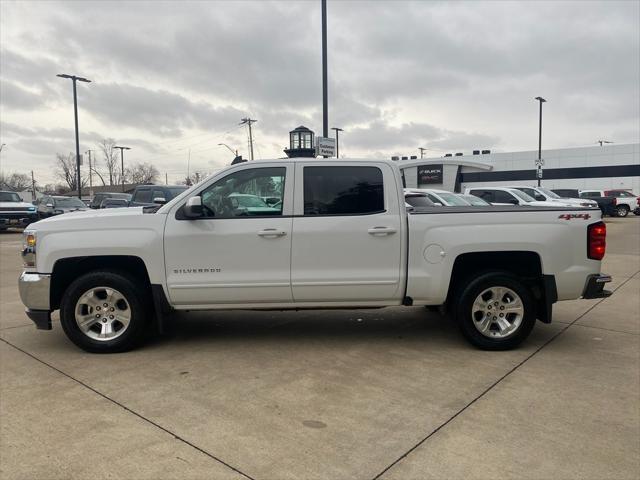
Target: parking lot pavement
(394, 393)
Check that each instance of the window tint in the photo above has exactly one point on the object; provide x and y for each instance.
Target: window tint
(529, 191)
(343, 190)
(486, 195)
(589, 194)
(502, 197)
(244, 194)
(143, 196)
(418, 201)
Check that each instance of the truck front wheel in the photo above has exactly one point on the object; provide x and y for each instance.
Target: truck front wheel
(105, 312)
(495, 311)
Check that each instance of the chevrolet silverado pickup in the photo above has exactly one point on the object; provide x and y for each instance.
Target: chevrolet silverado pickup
(14, 212)
(340, 237)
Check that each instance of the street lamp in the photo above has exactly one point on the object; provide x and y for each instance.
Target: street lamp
(122, 162)
(539, 162)
(75, 79)
(337, 146)
(235, 152)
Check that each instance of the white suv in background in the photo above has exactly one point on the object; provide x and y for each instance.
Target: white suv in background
(510, 196)
(545, 195)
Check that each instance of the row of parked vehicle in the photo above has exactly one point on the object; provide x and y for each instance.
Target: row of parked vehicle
(612, 202)
(15, 212)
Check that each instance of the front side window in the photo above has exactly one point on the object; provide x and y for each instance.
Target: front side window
(245, 194)
(455, 200)
(503, 197)
(486, 195)
(343, 190)
(143, 196)
(523, 196)
(589, 194)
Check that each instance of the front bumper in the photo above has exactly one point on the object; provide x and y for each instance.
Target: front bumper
(15, 220)
(35, 291)
(594, 287)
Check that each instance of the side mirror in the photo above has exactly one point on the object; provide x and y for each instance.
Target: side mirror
(160, 200)
(193, 207)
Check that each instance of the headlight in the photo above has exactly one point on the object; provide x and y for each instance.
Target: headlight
(31, 209)
(29, 249)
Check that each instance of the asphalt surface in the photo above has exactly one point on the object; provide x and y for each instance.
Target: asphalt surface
(393, 393)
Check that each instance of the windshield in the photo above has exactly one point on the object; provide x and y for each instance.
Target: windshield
(418, 201)
(452, 199)
(9, 197)
(250, 201)
(175, 191)
(69, 202)
(522, 195)
(476, 201)
(549, 193)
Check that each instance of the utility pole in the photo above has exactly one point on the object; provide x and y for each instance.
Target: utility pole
(122, 163)
(325, 94)
(189, 166)
(166, 178)
(422, 150)
(33, 186)
(337, 130)
(90, 175)
(540, 162)
(248, 121)
(75, 79)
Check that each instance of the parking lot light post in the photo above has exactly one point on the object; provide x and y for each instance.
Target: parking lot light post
(337, 130)
(122, 149)
(539, 162)
(75, 79)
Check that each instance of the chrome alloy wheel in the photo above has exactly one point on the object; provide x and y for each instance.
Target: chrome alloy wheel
(497, 312)
(102, 313)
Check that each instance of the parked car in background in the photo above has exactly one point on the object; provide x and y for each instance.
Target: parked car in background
(114, 203)
(474, 201)
(145, 195)
(625, 201)
(98, 198)
(443, 197)
(14, 212)
(542, 194)
(509, 196)
(413, 199)
(51, 205)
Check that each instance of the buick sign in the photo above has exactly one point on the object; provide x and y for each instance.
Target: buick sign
(430, 174)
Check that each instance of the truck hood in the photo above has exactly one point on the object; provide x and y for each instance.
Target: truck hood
(549, 204)
(578, 202)
(16, 205)
(87, 219)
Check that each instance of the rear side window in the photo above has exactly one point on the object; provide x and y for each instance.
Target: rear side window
(143, 196)
(589, 194)
(343, 190)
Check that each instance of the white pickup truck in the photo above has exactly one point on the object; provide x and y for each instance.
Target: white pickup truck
(335, 234)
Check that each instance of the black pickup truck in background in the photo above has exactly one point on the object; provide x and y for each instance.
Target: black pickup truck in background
(608, 205)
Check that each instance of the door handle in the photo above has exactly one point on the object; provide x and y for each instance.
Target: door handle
(271, 232)
(381, 231)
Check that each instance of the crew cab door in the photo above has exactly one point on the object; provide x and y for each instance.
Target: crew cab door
(347, 234)
(239, 251)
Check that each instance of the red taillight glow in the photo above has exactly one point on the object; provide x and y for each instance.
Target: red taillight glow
(596, 241)
(638, 201)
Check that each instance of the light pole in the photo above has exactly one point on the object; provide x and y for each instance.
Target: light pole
(75, 79)
(539, 162)
(235, 152)
(338, 130)
(122, 162)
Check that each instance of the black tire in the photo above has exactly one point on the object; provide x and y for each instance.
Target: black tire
(622, 211)
(463, 308)
(137, 297)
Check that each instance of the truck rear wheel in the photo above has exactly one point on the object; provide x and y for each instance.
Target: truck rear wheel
(105, 312)
(495, 311)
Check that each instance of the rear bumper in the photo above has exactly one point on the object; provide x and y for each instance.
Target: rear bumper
(594, 287)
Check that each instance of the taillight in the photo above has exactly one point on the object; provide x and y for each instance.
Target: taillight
(596, 240)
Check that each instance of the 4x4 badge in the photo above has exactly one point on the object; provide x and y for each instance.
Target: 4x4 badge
(569, 216)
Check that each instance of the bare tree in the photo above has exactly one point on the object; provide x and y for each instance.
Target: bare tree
(142, 173)
(194, 178)
(66, 171)
(16, 182)
(110, 157)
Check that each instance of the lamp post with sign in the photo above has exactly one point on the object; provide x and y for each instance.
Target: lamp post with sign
(539, 162)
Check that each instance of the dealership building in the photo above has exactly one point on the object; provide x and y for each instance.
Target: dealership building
(609, 166)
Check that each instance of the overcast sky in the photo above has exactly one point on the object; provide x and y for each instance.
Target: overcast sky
(448, 76)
